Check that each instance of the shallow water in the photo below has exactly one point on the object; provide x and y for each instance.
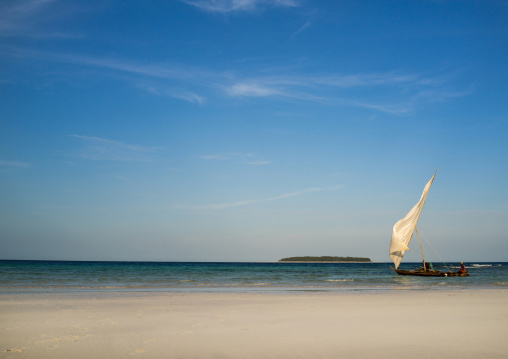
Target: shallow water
(68, 276)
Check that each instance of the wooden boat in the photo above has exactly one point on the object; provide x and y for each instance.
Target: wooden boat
(401, 236)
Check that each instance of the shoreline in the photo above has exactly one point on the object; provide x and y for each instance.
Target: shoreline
(323, 262)
(259, 288)
(255, 289)
(455, 324)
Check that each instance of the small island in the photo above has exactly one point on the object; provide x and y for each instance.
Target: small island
(325, 259)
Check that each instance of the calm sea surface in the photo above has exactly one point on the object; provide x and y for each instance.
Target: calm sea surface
(68, 276)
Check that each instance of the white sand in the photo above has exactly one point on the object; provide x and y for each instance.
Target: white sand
(440, 324)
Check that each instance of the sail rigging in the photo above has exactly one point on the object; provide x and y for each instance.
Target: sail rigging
(403, 229)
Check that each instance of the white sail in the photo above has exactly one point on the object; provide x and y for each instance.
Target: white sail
(403, 229)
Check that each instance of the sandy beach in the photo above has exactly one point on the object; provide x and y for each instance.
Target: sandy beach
(408, 324)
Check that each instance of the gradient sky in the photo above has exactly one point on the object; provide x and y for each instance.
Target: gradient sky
(251, 130)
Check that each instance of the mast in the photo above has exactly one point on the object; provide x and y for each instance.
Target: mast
(416, 228)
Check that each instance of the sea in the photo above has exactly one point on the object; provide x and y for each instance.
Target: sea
(27, 277)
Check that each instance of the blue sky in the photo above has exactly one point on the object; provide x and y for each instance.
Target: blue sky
(251, 130)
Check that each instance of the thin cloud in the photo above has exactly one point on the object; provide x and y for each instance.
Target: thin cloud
(215, 157)
(228, 6)
(157, 71)
(307, 24)
(25, 18)
(273, 84)
(189, 97)
(245, 158)
(102, 149)
(440, 95)
(16, 16)
(5, 165)
(390, 92)
(157, 79)
(275, 89)
(258, 163)
(253, 90)
(260, 200)
(394, 109)
(182, 95)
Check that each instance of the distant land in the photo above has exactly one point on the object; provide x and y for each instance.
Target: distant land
(325, 259)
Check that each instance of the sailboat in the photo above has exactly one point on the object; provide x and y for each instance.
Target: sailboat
(401, 236)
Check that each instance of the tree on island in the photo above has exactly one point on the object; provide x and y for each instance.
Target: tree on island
(325, 259)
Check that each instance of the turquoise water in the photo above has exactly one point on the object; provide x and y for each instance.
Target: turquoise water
(68, 276)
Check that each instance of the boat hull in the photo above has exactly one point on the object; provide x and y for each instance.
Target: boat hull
(429, 273)
(456, 274)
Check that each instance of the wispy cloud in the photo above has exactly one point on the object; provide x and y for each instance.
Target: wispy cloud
(258, 163)
(259, 200)
(391, 92)
(307, 24)
(189, 97)
(165, 80)
(15, 16)
(178, 94)
(12, 165)
(26, 17)
(215, 157)
(169, 72)
(253, 89)
(102, 149)
(228, 6)
(245, 158)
